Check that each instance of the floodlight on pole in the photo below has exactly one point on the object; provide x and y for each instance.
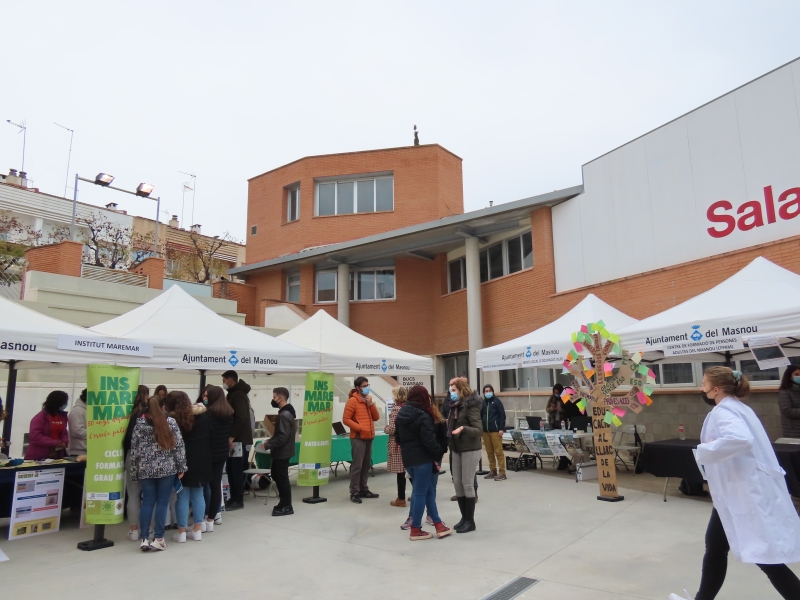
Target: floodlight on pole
(69, 156)
(144, 190)
(24, 130)
(103, 179)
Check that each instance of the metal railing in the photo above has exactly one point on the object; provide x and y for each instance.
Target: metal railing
(12, 270)
(113, 276)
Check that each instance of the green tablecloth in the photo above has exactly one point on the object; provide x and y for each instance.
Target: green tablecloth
(340, 451)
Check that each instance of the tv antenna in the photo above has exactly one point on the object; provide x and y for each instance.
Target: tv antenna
(188, 185)
(69, 156)
(24, 130)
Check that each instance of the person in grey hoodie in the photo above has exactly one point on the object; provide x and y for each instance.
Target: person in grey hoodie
(77, 427)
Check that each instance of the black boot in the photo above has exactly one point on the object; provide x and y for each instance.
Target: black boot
(469, 516)
(462, 507)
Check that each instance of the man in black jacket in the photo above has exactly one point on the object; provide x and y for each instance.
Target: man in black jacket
(281, 447)
(241, 436)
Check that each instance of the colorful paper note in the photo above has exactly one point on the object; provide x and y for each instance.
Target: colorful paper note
(616, 350)
(614, 338)
(620, 412)
(590, 373)
(650, 373)
(578, 346)
(592, 327)
(649, 401)
(641, 397)
(648, 390)
(587, 364)
(604, 332)
(608, 367)
(600, 323)
(637, 357)
(584, 329)
(582, 405)
(616, 421)
(574, 337)
(608, 417)
(651, 380)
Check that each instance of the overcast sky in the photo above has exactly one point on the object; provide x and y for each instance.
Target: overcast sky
(523, 92)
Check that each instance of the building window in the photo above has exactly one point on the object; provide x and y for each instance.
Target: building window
(506, 257)
(292, 204)
(372, 284)
(457, 274)
(676, 373)
(520, 253)
(753, 372)
(293, 288)
(375, 194)
(455, 365)
(253, 229)
(326, 286)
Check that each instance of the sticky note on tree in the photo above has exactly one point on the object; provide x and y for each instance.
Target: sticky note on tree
(648, 390)
(641, 397)
(578, 346)
(616, 421)
(637, 357)
(642, 370)
(582, 405)
(620, 412)
(608, 417)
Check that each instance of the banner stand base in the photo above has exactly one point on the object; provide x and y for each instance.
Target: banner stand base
(315, 498)
(480, 470)
(611, 498)
(98, 542)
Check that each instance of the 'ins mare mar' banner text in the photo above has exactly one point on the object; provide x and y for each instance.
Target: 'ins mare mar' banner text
(110, 392)
(315, 442)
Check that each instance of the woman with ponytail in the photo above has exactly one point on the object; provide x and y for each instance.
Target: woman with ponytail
(753, 514)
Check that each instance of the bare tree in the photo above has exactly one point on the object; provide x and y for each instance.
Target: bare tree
(107, 244)
(199, 261)
(16, 237)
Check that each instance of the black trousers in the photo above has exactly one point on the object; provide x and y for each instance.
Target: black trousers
(715, 566)
(280, 474)
(215, 503)
(401, 486)
(235, 470)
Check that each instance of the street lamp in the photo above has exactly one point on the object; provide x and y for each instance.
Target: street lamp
(104, 180)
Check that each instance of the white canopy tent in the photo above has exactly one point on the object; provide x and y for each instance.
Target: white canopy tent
(762, 299)
(185, 334)
(549, 345)
(344, 351)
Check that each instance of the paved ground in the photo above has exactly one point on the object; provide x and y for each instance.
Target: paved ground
(538, 525)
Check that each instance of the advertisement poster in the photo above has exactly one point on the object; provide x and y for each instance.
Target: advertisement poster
(36, 505)
(314, 462)
(110, 392)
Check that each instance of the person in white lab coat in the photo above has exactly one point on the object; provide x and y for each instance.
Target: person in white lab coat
(753, 514)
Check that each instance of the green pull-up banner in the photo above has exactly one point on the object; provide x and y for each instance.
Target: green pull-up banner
(314, 461)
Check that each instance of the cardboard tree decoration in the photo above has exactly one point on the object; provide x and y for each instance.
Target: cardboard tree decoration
(591, 389)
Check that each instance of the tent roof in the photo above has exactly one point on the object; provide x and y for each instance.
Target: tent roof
(187, 335)
(348, 352)
(550, 344)
(762, 299)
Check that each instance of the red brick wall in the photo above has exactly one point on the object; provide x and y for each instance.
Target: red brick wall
(153, 267)
(63, 258)
(427, 186)
(245, 296)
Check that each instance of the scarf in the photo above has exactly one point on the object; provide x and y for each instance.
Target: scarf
(452, 416)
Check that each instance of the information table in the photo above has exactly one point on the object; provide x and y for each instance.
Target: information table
(340, 451)
(73, 483)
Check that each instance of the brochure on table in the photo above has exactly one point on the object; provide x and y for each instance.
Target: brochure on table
(36, 506)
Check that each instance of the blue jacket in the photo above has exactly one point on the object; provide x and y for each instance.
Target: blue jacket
(493, 414)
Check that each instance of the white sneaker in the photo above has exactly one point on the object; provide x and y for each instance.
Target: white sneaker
(145, 546)
(203, 526)
(209, 527)
(157, 544)
(179, 537)
(133, 535)
(676, 597)
(197, 535)
(218, 519)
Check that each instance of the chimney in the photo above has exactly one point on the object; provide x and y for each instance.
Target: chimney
(13, 178)
(23, 179)
(112, 206)
(491, 203)
(196, 229)
(173, 222)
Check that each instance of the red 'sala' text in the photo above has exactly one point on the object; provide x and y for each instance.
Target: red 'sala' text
(753, 213)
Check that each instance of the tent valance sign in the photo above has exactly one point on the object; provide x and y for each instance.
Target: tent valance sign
(103, 345)
(761, 300)
(345, 351)
(185, 334)
(549, 345)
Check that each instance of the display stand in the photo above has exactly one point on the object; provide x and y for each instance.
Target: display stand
(315, 498)
(481, 470)
(98, 542)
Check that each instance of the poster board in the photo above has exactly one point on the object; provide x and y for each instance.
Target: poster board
(36, 504)
(314, 461)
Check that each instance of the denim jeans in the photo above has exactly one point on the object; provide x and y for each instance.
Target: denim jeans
(423, 493)
(195, 494)
(155, 495)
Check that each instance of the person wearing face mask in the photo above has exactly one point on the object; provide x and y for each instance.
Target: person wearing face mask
(753, 514)
(360, 414)
(241, 436)
(48, 430)
(281, 446)
(464, 432)
(493, 421)
(77, 427)
(789, 402)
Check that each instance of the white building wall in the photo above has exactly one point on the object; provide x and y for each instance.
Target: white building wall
(646, 204)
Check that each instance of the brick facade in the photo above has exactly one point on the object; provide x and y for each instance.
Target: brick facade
(64, 258)
(153, 267)
(245, 296)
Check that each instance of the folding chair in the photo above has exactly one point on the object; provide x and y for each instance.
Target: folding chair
(628, 439)
(526, 455)
(578, 454)
(272, 487)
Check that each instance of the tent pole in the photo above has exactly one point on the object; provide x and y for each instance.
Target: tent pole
(202, 380)
(728, 359)
(11, 390)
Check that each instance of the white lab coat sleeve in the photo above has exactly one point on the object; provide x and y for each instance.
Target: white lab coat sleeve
(735, 440)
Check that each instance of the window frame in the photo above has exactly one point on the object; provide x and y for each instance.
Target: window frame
(463, 261)
(253, 229)
(374, 270)
(289, 191)
(290, 284)
(335, 287)
(355, 181)
(483, 257)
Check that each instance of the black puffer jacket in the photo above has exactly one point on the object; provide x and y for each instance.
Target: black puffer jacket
(281, 444)
(220, 434)
(789, 404)
(238, 399)
(198, 449)
(415, 432)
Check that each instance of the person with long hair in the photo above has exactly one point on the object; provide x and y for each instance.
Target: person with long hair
(48, 437)
(422, 450)
(157, 456)
(195, 425)
(789, 401)
(360, 414)
(464, 433)
(221, 413)
(133, 489)
(394, 463)
(753, 514)
(161, 392)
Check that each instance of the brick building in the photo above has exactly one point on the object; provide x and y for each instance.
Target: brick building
(654, 223)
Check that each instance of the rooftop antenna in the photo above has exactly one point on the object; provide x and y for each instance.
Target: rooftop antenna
(69, 156)
(24, 129)
(189, 185)
(416, 136)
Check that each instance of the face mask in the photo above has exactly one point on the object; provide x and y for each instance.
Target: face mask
(707, 400)
(489, 394)
(275, 404)
(225, 386)
(796, 380)
(63, 408)
(205, 402)
(365, 390)
(453, 395)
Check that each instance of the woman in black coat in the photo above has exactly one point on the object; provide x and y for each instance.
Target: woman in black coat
(422, 451)
(221, 414)
(195, 426)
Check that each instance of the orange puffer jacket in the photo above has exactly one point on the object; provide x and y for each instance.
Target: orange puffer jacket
(360, 418)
